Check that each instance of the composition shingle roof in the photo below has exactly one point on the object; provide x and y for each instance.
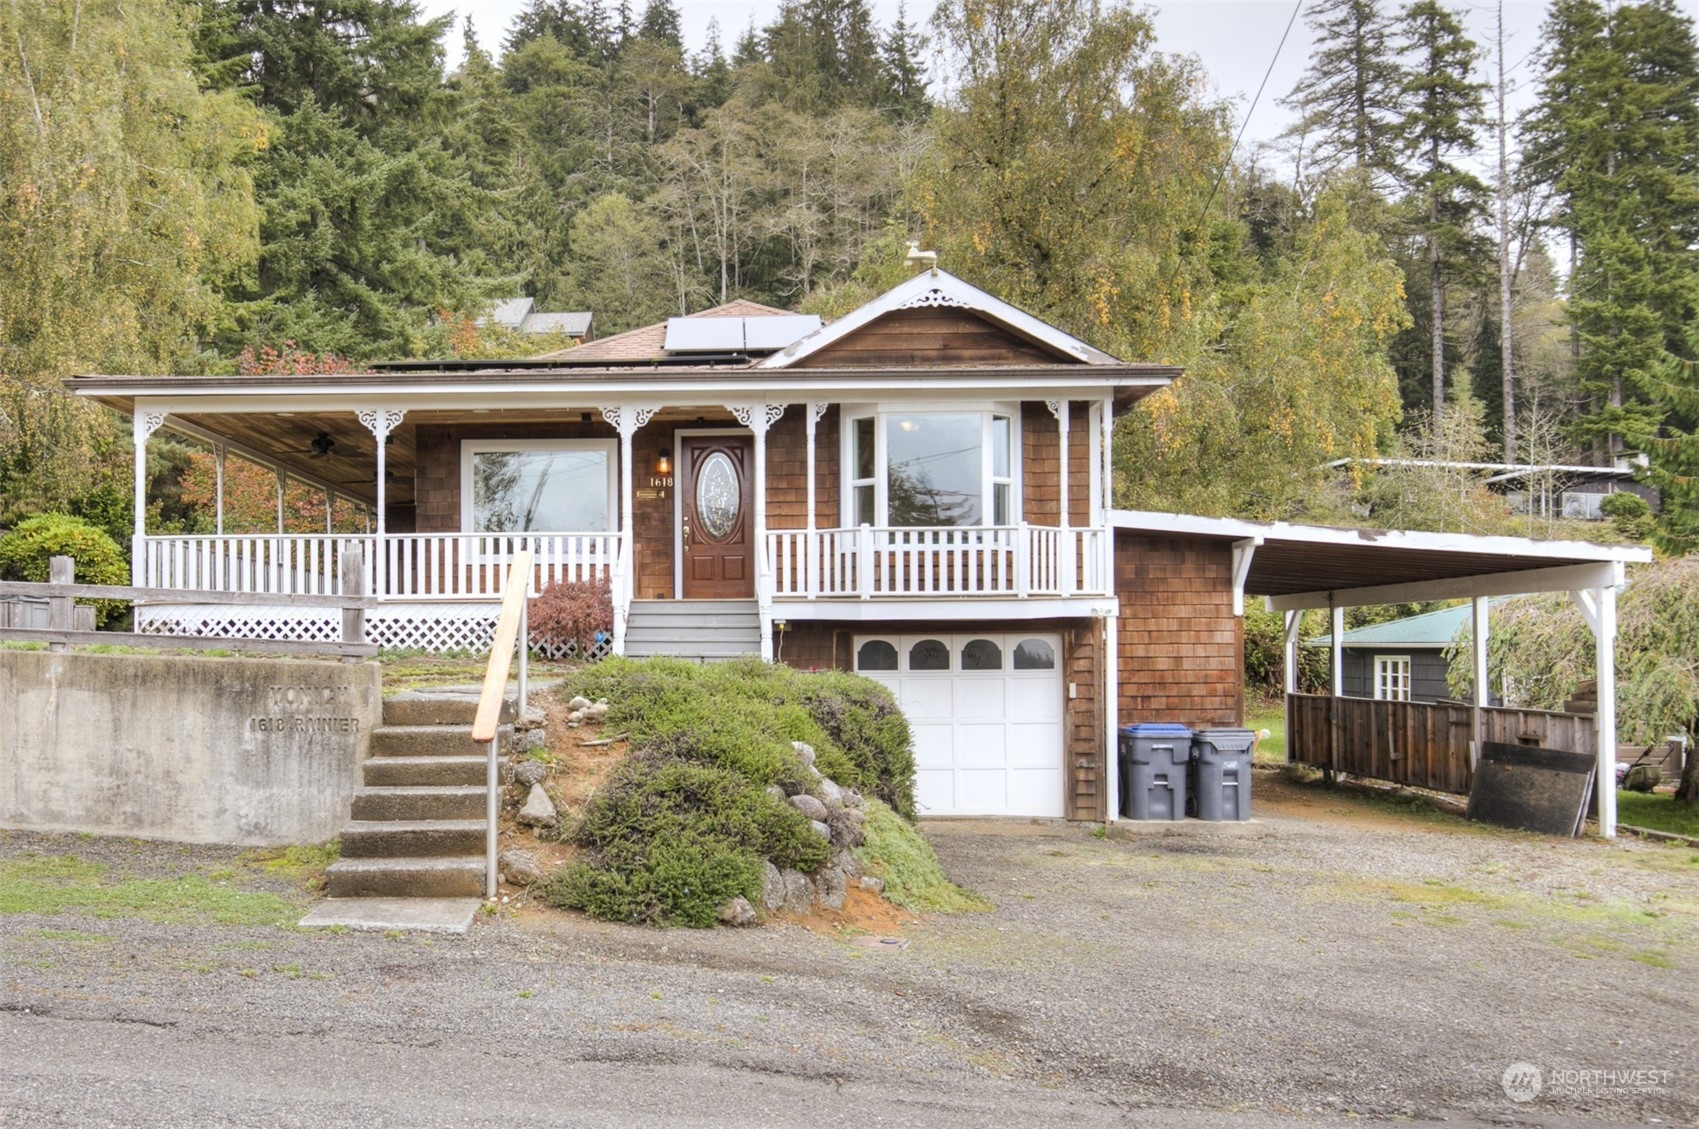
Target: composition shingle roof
(648, 342)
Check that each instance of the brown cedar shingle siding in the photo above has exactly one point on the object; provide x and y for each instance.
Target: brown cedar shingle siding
(1040, 470)
(1181, 646)
(928, 337)
(787, 470)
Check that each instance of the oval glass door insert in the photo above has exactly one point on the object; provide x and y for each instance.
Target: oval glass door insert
(717, 496)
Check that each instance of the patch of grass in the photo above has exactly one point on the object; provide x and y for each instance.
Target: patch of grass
(894, 851)
(53, 884)
(71, 936)
(303, 865)
(1655, 959)
(1658, 813)
(1263, 714)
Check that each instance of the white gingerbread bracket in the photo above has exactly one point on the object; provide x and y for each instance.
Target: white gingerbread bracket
(1055, 407)
(757, 417)
(934, 298)
(628, 420)
(380, 421)
(820, 410)
(146, 423)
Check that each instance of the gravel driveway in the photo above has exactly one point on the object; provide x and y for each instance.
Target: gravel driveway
(1340, 959)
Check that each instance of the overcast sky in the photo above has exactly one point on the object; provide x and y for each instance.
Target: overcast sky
(1235, 39)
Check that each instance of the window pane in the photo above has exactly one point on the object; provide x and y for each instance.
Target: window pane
(1000, 504)
(1034, 654)
(929, 654)
(864, 447)
(553, 491)
(982, 654)
(935, 469)
(1000, 446)
(864, 506)
(876, 654)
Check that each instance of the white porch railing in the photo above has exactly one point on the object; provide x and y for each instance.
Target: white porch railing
(403, 566)
(882, 561)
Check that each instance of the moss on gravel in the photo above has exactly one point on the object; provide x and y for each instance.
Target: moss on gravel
(894, 851)
(52, 884)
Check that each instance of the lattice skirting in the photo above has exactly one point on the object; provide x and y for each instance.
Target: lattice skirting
(432, 628)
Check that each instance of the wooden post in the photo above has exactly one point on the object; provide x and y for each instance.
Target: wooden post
(61, 610)
(353, 575)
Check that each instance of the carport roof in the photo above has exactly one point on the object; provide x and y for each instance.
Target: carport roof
(1304, 566)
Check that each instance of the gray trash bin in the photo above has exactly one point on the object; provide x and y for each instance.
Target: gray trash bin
(1153, 771)
(1221, 773)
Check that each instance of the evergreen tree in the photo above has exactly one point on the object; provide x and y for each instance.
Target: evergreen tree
(1349, 99)
(1616, 132)
(661, 25)
(365, 214)
(552, 19)
(1443, 114)
(1674, 454)
(900, 53)
(712, 72)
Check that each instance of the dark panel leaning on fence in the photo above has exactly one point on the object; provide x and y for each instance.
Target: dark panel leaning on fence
(1418, 744)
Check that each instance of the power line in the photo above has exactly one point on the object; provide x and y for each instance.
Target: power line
(1220, 176)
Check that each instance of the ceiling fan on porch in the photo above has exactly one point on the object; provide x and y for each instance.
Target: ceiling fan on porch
(322, 446)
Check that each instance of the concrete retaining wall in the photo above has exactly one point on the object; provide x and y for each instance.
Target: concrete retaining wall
(198, 750)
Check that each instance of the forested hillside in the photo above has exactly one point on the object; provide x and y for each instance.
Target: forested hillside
(1407, 273)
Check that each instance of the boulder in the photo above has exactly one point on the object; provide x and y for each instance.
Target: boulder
(578, 703)
(530, 773)
(596, 712)
(737, 911)
(776, 792)
(821, 829)
(576, 717)
(873, 885)
(532, 739)
(799, 893)
(830, 792)
(809, 806)
(772, 887)
(520, 868)
(804, 752)
(848, 863)
(855, 816)
(539, 810)
(852, 799)
(832, 887)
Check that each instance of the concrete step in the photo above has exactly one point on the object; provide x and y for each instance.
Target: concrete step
(431, 740)
(648, 634)
(401, 803)
(456, 876)
(694, 613)
(414, 707)
(415, 772)
(697, 651)
(413, 915)
(412, 838)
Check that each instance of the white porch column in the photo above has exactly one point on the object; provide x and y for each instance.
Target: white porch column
(1337, 665)
(329, 510)
(758, 418)
(1482, 699)
(282, 485)
(811, 563)
(380, 422)
(143, 423)
(218, 453)
(1106, 454)
(626, 419)
(1065, 539)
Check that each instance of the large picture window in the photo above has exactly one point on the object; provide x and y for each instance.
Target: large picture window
(537, 486)
(930, 468)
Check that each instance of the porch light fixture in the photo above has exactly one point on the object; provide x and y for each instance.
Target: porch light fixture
(663, 463)
(909, 425)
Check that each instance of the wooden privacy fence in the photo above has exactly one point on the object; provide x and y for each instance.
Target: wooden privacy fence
(1421, 744)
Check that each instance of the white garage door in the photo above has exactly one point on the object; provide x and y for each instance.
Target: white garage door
(986, 711)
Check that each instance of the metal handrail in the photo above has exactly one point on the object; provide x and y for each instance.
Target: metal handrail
(486, 723)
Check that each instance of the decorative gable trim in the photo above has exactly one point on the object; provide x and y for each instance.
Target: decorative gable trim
(934, 289)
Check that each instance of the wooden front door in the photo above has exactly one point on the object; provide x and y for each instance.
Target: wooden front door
(716, 496)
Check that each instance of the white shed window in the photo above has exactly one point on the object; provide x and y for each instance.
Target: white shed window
(532, 485)
(1392, 678)
(930, 467)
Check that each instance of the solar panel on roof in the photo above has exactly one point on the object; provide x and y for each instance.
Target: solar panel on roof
(777, 332)
(704, 335)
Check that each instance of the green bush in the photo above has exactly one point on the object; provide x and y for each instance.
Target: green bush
(894, 851)
(1630, 514)
(686, 822)
(26, 552)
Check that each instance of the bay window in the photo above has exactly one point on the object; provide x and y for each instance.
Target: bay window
(931, 467)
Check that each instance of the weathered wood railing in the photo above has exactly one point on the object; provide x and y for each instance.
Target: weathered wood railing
(486, 723)
(1424, 745)
(62, 593)
(870, 562)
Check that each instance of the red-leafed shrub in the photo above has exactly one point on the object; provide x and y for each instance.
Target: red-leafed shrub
(580, 612)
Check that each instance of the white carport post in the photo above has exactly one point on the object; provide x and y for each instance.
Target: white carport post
(1289, 669)
(1336, 664)
(1598, 606)
(1477, 716)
